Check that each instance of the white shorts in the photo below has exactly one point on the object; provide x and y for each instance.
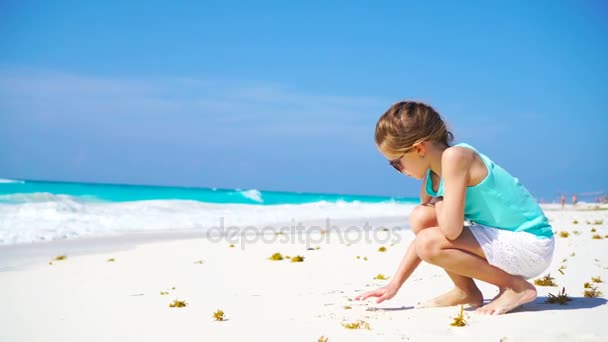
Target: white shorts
(517, 253)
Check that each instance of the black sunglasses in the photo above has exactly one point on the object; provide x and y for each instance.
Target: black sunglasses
(396, 163)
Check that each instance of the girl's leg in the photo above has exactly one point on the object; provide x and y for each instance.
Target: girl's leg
(465, 257)
(465, 291)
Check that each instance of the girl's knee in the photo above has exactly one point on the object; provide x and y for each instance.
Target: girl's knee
(422, 217)
(428, 244)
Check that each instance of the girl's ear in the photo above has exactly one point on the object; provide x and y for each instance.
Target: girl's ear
(420, 148)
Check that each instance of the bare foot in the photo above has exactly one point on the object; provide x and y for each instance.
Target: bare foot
(500, 291)
(510, 298)
(454, 297)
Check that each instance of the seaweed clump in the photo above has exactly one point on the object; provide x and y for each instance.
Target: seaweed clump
(545, 281)
(218, 315)
(592, 291)
(356, 325)
(58, 258)
(564, 234)
(178, 304)
(297, 258)
(381, 276)
(596, 279)
(596, 237)
(276, 257)
(459, 320)
(561, 298)
(382, 249)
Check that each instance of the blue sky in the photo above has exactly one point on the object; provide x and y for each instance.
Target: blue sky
(285, 96)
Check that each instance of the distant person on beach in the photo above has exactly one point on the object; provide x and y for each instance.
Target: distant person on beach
(574, 199)
(562, 200)
(510, 239)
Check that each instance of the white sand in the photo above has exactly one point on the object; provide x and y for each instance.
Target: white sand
(86, 298)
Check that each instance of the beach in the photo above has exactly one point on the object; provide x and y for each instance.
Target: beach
(120, 288)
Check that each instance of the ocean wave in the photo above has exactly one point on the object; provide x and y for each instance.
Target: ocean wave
(253, 194)
(38, 197)
(53, 217)
(2, 180)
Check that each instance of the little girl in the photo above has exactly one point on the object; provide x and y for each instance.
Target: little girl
(509, 239)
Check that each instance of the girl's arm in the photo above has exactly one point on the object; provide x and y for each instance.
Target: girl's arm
(456, 163)
(424, 197)
(408, 264)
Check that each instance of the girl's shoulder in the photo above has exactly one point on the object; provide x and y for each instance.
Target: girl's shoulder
(467, 159)
(459, 155)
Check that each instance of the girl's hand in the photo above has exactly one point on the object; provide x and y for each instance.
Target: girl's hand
(383, 293)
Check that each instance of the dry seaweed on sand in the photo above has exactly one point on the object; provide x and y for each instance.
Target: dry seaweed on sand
(58, 258)
(381, 276)
(297, 258)
(596, 279)
(459, 320)
(545, 281)
(356, 325)
(561, 298)
(323, 339)
(564, 234)
(276, 257)
(219, 315)
(597, 237)
(178, 304)
(592, 291)
(382, 249)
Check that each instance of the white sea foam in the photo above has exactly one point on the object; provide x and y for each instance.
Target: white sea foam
(43, 217)
(2, 180)
(253, 195)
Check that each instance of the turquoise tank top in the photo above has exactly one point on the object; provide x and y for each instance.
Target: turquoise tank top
(500, 201)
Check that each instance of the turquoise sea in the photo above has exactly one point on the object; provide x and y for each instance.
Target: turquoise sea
(32, 211)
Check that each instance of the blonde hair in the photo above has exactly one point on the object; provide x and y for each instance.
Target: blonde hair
(406, 123)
